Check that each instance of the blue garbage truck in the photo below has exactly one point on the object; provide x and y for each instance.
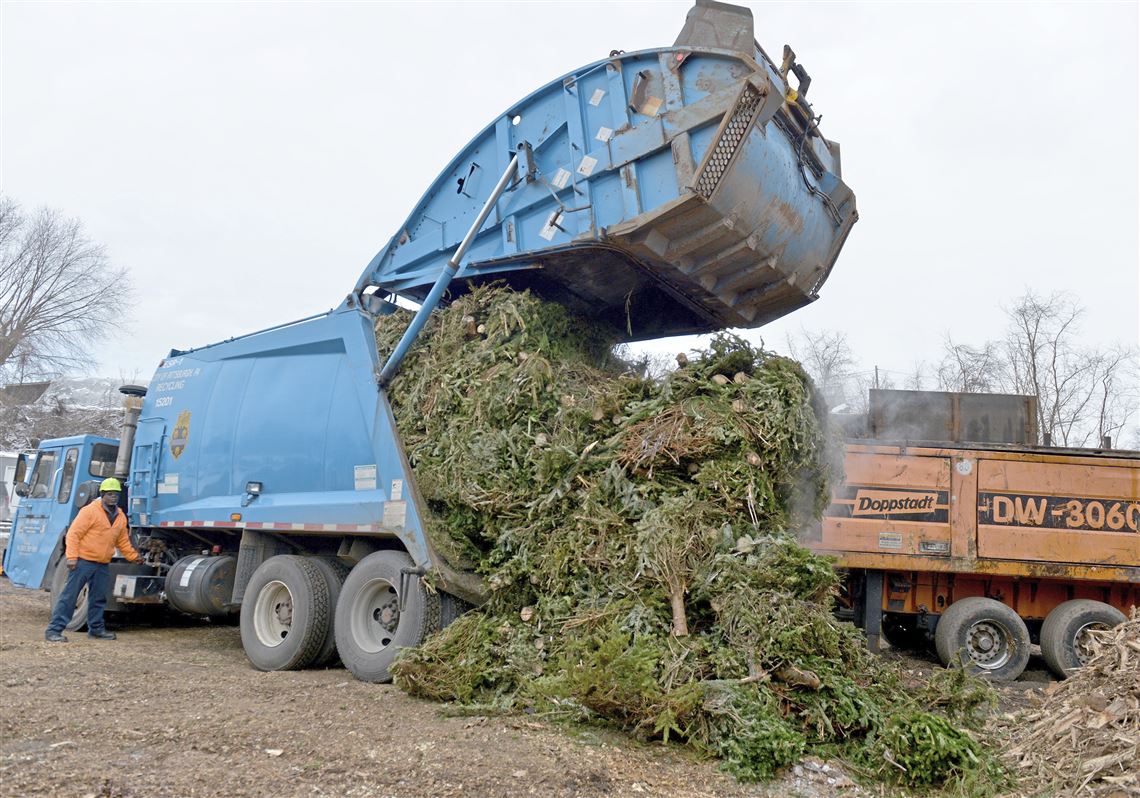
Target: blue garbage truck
(675, 190)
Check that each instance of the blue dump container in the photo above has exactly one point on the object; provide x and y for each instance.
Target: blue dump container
(667, 191)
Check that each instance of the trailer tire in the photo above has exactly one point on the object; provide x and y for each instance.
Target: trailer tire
(370, 627)
(285, 613)
(1062, 645)
(334, 572)
(903, 632)
(985, 636)
(58, 581)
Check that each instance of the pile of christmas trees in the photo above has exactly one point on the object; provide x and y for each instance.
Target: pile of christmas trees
(638, 539)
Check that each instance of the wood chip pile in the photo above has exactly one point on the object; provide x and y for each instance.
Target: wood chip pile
(1084, 738)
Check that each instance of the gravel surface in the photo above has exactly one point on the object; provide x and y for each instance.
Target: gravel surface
(179, 712)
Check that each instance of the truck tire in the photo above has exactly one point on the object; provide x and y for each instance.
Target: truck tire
(903, 632)
(450, 608)
(285, 614)
(985, 636)
(58, 581)
(334, 572)
(370, 627)
(1063, 642)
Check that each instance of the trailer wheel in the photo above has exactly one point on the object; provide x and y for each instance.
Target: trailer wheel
(985, 636)
(334, 572)
(285, 613)
(58, 582)
(903, 632)
(1064, 635)
(370, 626)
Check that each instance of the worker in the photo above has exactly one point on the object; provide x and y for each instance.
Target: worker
(98, 529)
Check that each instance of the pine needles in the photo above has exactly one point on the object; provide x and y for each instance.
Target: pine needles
(638, 540)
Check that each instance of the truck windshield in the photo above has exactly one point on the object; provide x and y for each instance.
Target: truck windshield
(103, 457)
(42, 476)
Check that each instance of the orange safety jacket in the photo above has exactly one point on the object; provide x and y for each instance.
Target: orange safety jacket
(93, 538)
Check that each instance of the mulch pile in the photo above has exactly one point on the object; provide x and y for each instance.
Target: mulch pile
(1084, 738)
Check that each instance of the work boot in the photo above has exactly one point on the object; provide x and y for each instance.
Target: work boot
(54, 637)
(104, 635)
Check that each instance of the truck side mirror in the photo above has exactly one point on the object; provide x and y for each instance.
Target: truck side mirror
(22, 489)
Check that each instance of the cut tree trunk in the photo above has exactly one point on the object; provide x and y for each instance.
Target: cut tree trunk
(677, 599)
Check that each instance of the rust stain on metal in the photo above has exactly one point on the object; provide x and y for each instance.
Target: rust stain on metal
(706, 84)
(791, 220)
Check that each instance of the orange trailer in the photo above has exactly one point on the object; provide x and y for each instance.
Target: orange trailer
(984, 549)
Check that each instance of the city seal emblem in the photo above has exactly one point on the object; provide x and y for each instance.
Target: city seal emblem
(180, 435)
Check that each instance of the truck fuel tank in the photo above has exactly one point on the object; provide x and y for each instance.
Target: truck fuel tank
(202, 585)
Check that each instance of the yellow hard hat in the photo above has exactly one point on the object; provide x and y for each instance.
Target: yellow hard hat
(110, 485)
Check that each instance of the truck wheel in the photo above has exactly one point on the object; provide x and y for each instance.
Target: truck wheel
(334, 572)
(58, 581)
(1064, 635)
(450, 608)
(370, 626)
(986, 636)
(285, 613)
(903, 632)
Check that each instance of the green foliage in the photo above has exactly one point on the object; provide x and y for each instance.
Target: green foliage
(958, 695)
(928, 749)
(458, 667)
(638, 540)
(750, 734)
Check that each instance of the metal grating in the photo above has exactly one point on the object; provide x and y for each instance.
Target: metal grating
(734, 133)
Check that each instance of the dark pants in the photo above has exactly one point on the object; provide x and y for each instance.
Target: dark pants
(93, 574)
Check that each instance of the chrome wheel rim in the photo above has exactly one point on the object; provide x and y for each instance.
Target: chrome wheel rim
(1082, 641)
(375, 615)
(273, 614)
(989, 645)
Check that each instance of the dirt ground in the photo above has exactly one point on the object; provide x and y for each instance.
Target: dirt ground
(179, 712)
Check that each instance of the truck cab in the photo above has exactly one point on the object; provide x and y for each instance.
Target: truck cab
(54, 483)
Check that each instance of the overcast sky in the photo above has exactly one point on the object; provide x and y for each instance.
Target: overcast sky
(245, 161)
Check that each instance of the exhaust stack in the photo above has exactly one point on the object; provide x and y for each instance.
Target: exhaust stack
(132, 408)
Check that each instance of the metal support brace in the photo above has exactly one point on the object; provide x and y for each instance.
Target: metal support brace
(405, 586)
(444, 279)
(873, 608)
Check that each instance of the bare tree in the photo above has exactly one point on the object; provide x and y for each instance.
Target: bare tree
(1078, 389)
(1132, 437)
(827, 358)
(969, 369)
(58, 293)
(1083, 394)
(859, 387)
(1116, 397)
(916, 379)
